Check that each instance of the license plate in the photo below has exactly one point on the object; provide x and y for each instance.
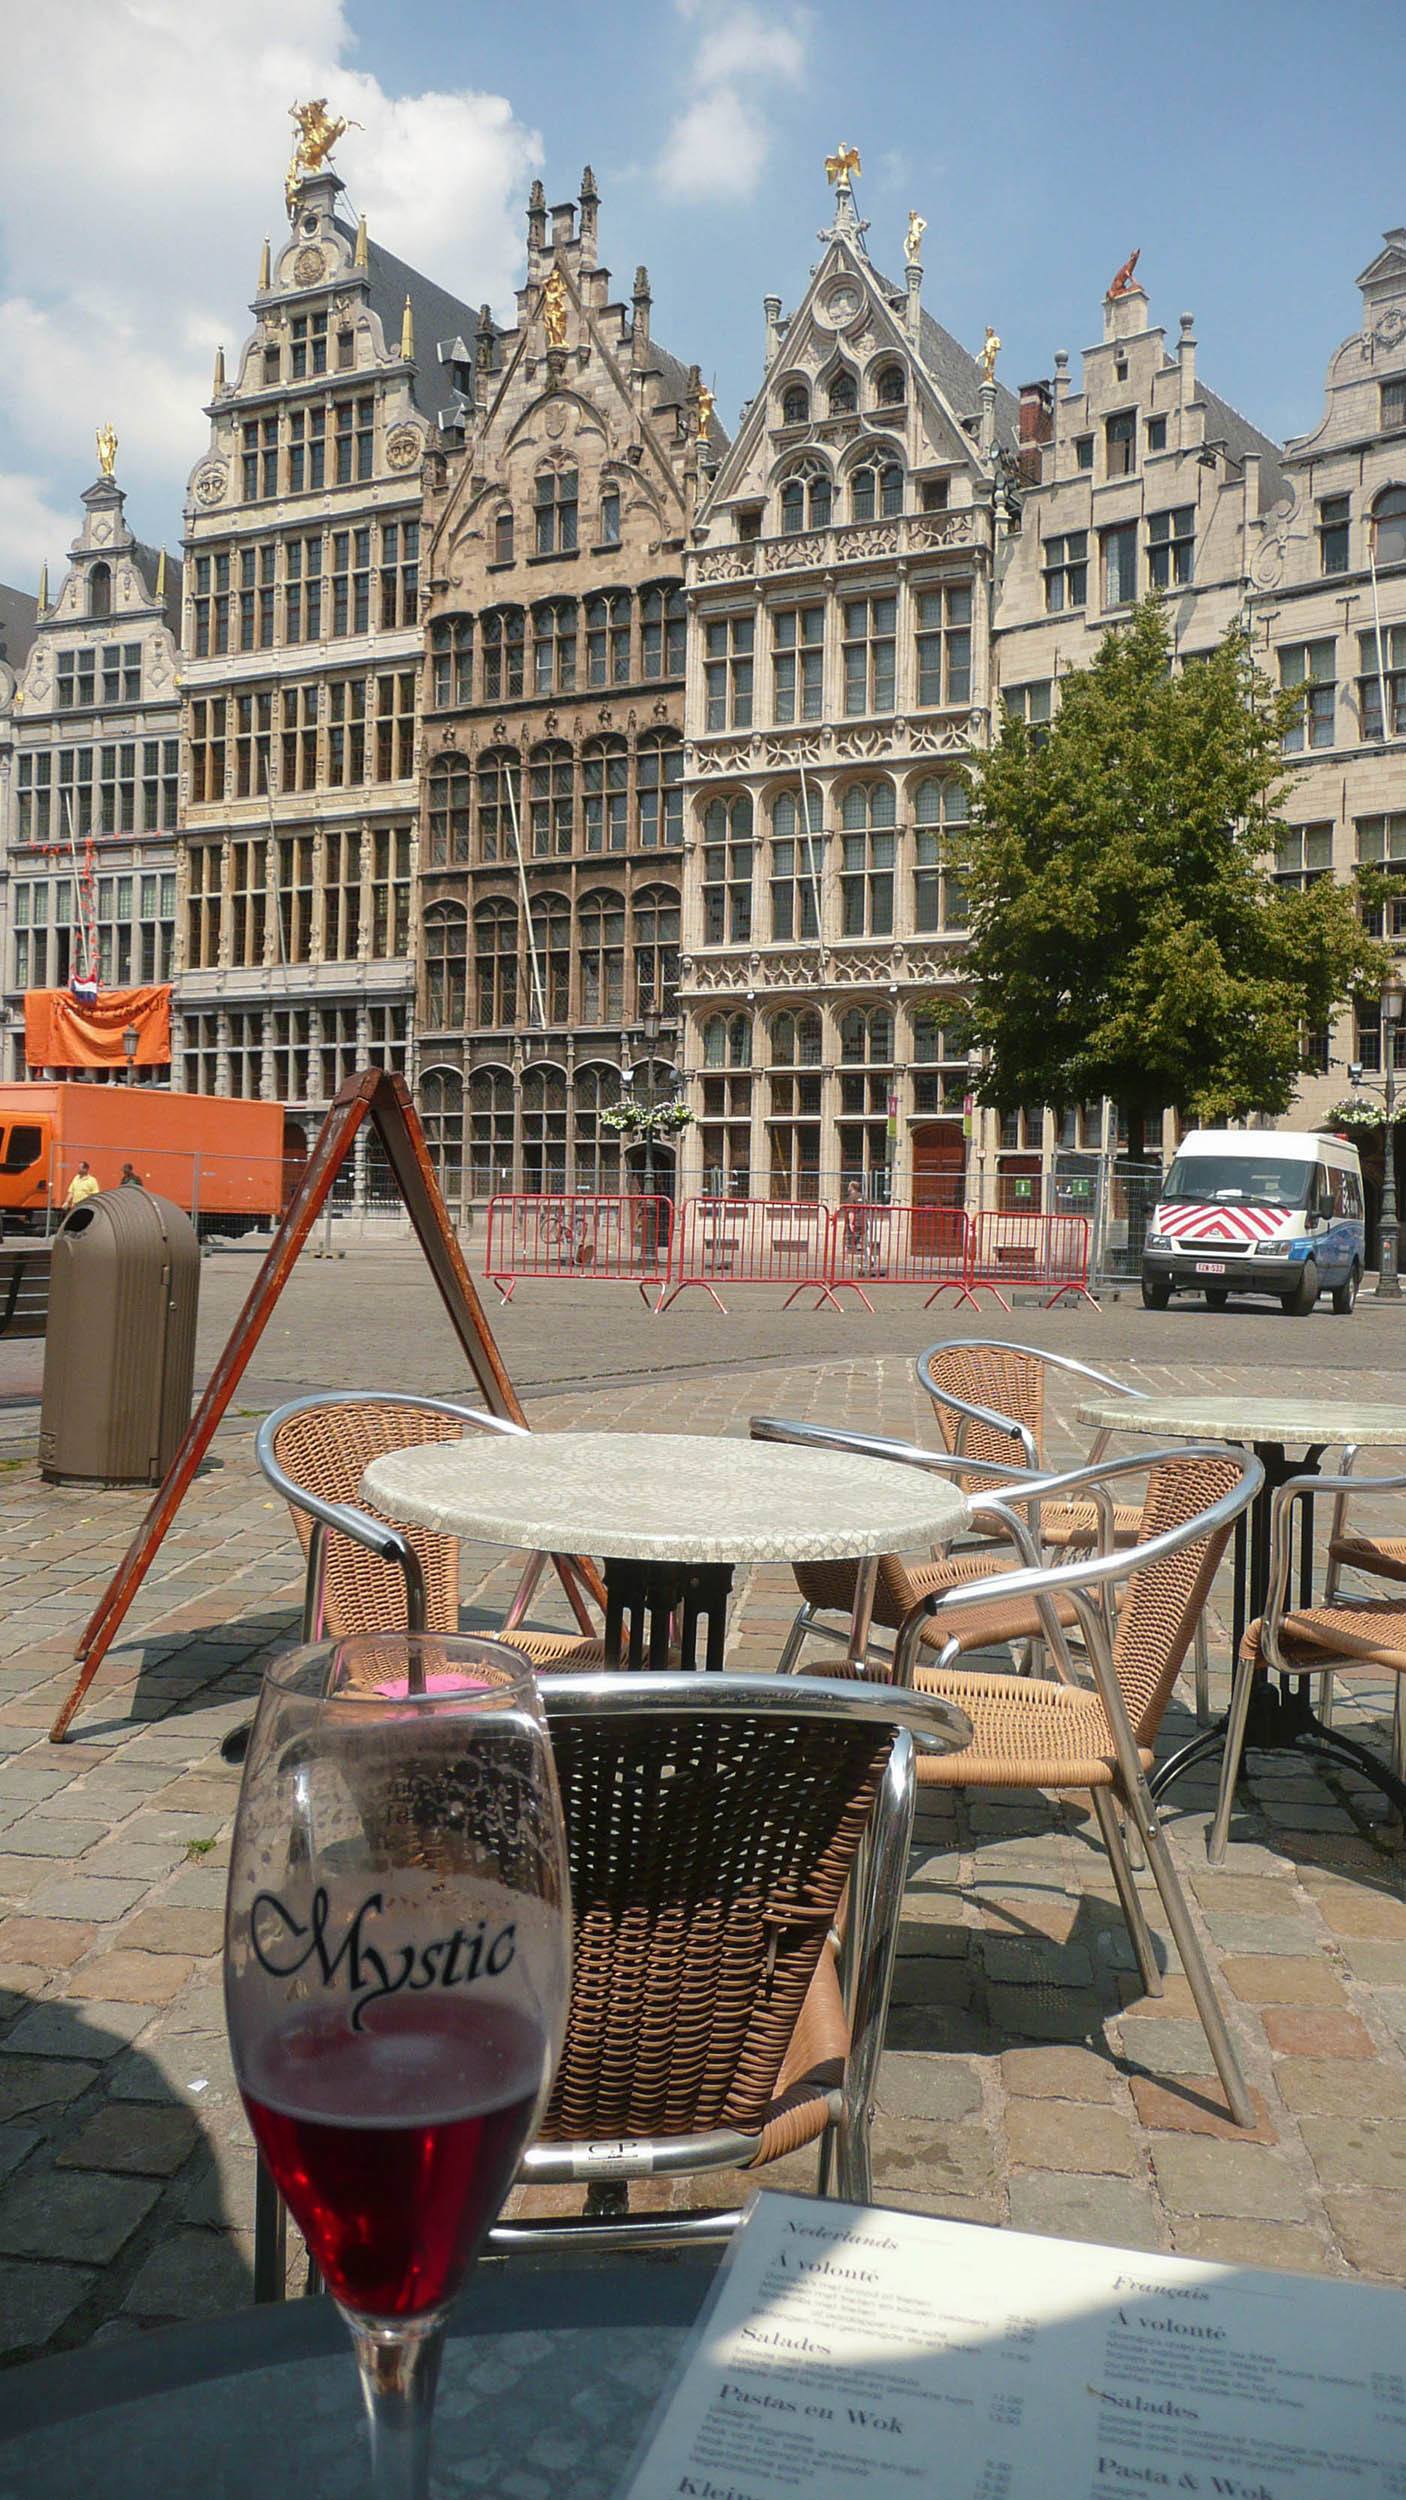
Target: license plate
(1203, 1269)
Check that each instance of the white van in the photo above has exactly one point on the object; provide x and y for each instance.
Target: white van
(1266, 1210)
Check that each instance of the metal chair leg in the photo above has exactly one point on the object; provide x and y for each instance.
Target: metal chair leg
(1129, 1900)
(794, 1642)
(1240, 1691)
(1203, 1675)
(1188, 1945)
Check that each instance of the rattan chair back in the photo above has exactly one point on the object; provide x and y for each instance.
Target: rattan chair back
(1164, 1598)
(1004, 1378)
(328, 1449)
(708, 1858)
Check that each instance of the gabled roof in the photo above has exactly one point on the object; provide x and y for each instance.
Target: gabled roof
(436, 313)
(1242, 440)
(19, 616)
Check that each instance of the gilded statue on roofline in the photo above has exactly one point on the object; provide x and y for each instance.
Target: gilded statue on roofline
(317, 136)
(107, 450)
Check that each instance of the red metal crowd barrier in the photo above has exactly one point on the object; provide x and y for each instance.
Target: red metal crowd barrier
(750, 1241)
(603, 1240)
(875, 1243)
(1050, 1252)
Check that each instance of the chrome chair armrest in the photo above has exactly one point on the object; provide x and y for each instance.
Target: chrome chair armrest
(1278, 1602)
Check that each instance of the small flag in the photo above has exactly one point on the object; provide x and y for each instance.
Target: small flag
(83, 989)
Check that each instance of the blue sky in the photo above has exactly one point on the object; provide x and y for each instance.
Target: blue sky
(1252, 152)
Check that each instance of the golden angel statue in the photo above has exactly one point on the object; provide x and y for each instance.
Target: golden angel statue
(317, 136)
(842, 165)
(554, 304)
(107, 449)
(987, 354)
(913, 239)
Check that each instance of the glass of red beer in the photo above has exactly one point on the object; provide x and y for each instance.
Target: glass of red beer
(397, 1972)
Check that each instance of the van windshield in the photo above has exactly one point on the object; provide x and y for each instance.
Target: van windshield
(1262, 1180)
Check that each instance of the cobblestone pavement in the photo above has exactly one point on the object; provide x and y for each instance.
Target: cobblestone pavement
(1026, 2080)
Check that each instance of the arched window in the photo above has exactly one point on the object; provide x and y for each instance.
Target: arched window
(551, 800)
(605, 782)
(659, 790)
(544, 1129)
(597, 1148)
(449, 811)
(551, 942)
(939, 804)
(866, 1074)
(490, 1131)
(608, 639)
(555, 498)
(867, 847)
(452, 661)
(727, 1042)
(1389, 525)
(890, 386)
(446, 967)
(442, 1117)
(796, 1040)
(866, 1037)
(662, 629)
(876, 489)
(807, 497)
(727, 870)
(795, 404)
(601, 938)
(100, 590)
(503, 535)
(797, 867)
(609, 513)
(499, 788)
(502, 654)
(654, 936)
(554, 647)
(495, 964)
(843, 393)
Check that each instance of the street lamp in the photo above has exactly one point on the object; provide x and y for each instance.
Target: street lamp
(646, 1037)
(130, 1039)
(1388, 1231)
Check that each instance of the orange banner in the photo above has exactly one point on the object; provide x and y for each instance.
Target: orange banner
(59, 1032)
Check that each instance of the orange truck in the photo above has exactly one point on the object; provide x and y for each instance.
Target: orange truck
(223, 1161)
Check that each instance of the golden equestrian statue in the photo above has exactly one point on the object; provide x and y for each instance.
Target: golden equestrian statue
(840, 167)
(107, 449)
(987, 354)
(554, 304)
(913, 239)
(317, 136)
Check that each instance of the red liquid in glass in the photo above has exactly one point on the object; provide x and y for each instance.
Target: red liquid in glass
(394, 2148)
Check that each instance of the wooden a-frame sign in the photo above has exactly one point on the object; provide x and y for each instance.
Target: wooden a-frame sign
(384, 1101)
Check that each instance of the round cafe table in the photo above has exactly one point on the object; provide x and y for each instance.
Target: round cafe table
(1288, 1435)
(671, 1515)
(550, 2376)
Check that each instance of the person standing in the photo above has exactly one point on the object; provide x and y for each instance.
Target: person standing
(84, 1184)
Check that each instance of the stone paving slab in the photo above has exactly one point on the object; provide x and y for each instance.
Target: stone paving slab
(1028, 2080)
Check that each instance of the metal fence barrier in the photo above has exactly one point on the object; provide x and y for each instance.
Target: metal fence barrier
(602, 1240)
(1050, 1252)
(750, 1241)
(896, 1245)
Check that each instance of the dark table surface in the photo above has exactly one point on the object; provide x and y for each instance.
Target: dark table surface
(550, 2376)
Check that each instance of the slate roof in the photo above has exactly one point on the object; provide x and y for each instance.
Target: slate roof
(148, 564)
(437, 316)
(957, 375)
(18, 617)
(1225, 424)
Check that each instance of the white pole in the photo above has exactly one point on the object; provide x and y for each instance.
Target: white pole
(1377, 619)
(88, 935)
(526, 906)
(815, 879)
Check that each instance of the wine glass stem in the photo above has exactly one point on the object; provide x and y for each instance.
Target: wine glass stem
(399, 2370)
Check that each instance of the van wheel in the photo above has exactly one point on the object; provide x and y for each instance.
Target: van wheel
(1156, 1293)
(1300, 1302)
(1217, 1297)
(1345, 1296)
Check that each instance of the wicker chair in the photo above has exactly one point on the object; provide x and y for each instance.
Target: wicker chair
(989, 1400)
(366, 1574)
(1345, 1635)
(1037, 1733)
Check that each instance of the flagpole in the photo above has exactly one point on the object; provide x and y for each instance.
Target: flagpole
(1377, 619)
(526, 906)
(84, 931)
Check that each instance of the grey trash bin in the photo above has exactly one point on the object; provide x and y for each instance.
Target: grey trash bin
(119, 1363)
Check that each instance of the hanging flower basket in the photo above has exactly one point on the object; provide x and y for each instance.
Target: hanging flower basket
(629, 1118)
(1357, 1115)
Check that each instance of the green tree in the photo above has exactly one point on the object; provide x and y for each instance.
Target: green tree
(1127, 935)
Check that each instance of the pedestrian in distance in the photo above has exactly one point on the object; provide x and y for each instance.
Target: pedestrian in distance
(129, 1178)
(84, 1184)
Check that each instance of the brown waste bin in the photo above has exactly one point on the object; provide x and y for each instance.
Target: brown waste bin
(119, 1363)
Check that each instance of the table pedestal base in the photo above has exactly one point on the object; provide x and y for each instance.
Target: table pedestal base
(651, 1594)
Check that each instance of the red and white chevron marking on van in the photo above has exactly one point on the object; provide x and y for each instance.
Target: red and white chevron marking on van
(1232, 1224)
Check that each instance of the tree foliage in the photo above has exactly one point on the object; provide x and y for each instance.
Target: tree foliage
(1127, 934)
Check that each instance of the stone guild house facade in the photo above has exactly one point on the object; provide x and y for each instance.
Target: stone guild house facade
(90, 820)
(838, 673)
(302, 657)
(556, 515)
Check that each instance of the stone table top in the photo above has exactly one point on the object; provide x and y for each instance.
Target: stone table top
(1292, 1420)
(665, 1497)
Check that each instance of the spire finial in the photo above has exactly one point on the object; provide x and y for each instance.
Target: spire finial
(161, 560)
(219, 369)
(361, 256)
(407, 333)
(43, 588)
(265, 269)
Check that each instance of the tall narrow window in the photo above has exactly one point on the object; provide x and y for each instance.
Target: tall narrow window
(1334, 531)
(663, 625)
(654, 938)
(601, 924)
(502, 654)
(939, 902)
(870, 627)
(605, 778)
(727, 871)
(868, 842)
(1311, 669)
(797, 869)
(451, 661)
(1388, 528)
(551, 941)
(876, 490)
(659, 790)
(1120, 444)
(727, 671)
(346, 733)
(446, 967)
(503, 536)
(555, 501)
(1382, 665)
(449, 812)
(1119, 551)
(945, 644)
(100, 590)
(610, 517)
(395, 726)
(495, 964)
(807, 498)
(608, 639)
(1066, 569)
(798, 663)
(554, 647)
(1171, 547)
(552, 800)
(497, 806)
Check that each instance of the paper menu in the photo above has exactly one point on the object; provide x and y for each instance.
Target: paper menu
(848, 2349)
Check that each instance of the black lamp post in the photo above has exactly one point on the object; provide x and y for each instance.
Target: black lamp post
(646, 1038)
(130, 1039)
(1388, 1231)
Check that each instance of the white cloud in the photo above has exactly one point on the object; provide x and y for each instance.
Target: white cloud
(142, 150)
(33, 531)
(718, 144)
